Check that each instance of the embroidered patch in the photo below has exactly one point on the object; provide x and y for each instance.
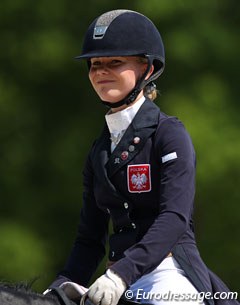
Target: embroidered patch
(139, 178)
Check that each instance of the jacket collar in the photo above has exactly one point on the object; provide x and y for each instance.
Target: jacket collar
(119, 121)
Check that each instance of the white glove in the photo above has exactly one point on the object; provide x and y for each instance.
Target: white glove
(107, 289)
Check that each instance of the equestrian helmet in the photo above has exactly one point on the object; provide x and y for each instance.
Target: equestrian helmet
(125, 33)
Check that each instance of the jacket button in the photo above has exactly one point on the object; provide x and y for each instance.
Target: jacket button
(125, 205)
(131, 148)
(136, 140)
(133, 225)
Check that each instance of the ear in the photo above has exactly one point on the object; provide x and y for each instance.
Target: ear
(150, 72)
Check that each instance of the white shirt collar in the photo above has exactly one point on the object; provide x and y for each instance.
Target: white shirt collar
(119, 121)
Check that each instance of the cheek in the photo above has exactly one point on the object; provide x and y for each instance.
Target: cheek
(91, 78)
(129, 79)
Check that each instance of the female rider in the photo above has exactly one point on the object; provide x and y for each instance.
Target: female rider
(140, 173)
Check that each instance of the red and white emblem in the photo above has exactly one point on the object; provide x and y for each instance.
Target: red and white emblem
(139, 178)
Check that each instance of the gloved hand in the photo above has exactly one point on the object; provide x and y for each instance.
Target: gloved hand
(107, 289)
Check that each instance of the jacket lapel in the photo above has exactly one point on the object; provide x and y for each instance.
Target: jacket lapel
(101, 158)
(142, 127)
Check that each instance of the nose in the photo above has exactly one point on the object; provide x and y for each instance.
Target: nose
(102, 70)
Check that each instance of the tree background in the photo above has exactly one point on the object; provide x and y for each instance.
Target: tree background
(49, 117)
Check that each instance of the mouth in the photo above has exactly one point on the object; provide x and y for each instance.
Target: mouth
(105, 81)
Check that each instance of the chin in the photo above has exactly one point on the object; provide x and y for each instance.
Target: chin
(111, 96)
(111, 99)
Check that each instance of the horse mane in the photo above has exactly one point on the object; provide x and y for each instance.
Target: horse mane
(24, 289)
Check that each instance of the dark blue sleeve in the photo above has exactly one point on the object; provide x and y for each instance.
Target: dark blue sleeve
(176, 196)
(89, 247)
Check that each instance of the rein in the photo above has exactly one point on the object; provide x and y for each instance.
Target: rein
(63, 299)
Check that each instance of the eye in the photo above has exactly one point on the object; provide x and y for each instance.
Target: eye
(96, 63)
(116, 62)
(111, 64)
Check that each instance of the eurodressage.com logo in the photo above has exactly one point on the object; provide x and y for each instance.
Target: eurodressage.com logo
(140, 294)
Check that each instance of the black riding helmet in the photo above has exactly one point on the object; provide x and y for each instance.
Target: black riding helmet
(125, 33)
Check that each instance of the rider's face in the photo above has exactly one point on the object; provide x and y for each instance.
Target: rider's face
(114, 77)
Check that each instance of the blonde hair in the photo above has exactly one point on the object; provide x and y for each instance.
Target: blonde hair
(150, 90)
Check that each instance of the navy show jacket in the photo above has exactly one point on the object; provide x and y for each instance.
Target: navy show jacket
(146, 186)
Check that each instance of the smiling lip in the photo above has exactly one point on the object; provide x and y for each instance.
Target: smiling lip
(105, 81)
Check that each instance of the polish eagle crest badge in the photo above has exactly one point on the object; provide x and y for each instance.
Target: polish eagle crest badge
(139, 178)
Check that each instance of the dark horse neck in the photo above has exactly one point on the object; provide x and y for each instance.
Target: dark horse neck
(11, 296)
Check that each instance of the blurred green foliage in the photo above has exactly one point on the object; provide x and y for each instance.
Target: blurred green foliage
(49, 116)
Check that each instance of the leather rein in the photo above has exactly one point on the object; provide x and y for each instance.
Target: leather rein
(60, 294)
